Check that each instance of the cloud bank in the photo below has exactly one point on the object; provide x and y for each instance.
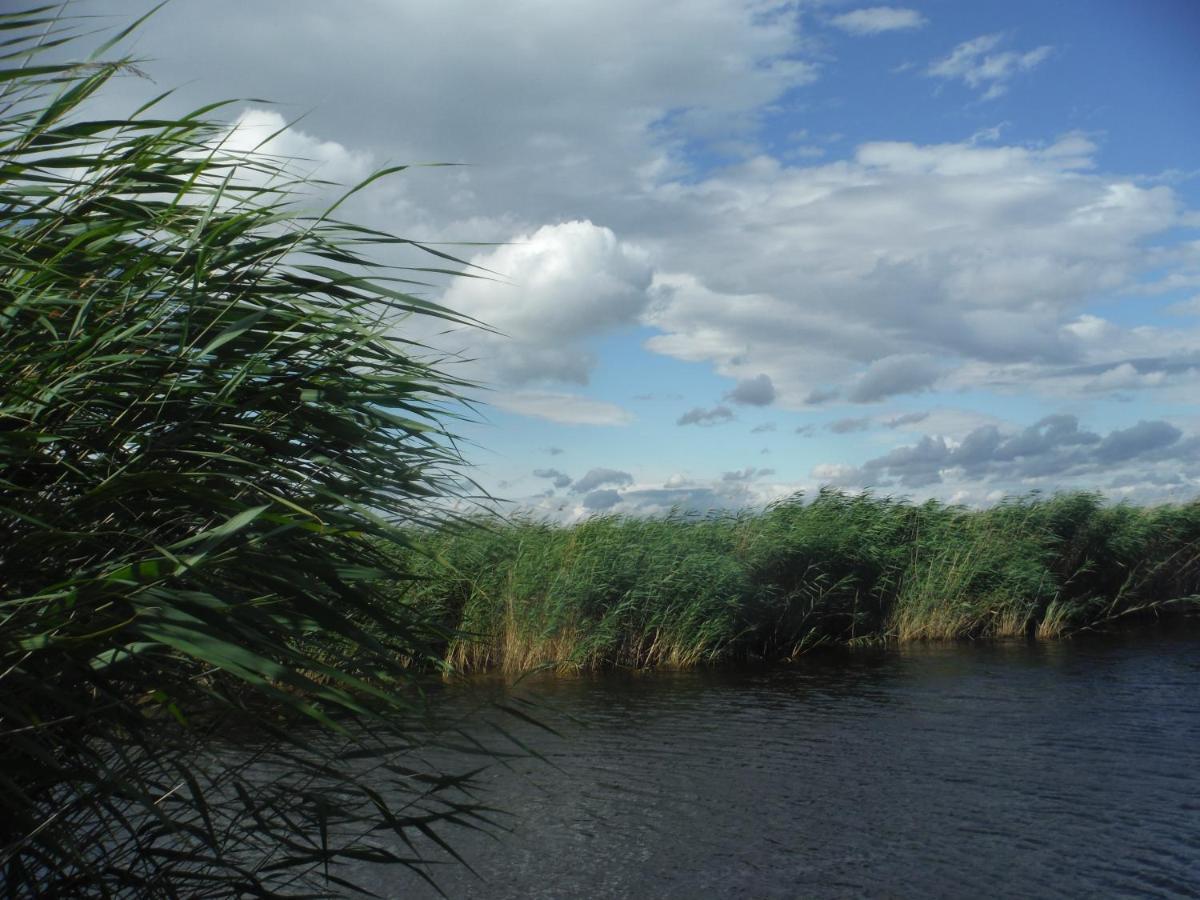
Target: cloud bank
(1053, 452)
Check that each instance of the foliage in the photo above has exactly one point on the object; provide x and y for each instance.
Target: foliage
(614, 591)
(207, 425)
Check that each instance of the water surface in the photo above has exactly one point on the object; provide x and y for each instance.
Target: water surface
(1016, 770)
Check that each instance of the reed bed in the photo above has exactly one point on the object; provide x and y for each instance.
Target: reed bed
(684, 590)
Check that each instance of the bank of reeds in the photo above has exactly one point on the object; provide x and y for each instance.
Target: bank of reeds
(682, 590)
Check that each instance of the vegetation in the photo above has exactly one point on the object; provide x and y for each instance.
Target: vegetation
(207, 425)
(682, 590)
(220, 461)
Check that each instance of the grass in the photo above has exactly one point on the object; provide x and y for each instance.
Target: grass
(683, 590)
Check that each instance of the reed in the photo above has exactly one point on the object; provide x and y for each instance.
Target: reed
(209, 422)
(683, 590)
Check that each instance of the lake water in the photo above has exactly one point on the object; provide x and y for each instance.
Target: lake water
(976, 770)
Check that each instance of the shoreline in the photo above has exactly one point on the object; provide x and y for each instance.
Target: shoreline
(1183, 625)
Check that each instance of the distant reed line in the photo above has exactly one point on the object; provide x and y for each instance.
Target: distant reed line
(682, 590)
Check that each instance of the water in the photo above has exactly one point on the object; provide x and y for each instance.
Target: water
(1006, 770)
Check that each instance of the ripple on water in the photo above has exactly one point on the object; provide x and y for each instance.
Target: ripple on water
(974, 770)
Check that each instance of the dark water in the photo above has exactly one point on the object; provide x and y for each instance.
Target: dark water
(1013, 770)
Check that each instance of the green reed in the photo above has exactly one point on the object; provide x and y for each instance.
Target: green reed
(209, 422)
(681, 590)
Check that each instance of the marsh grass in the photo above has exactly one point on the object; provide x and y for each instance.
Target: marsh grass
(684, 590)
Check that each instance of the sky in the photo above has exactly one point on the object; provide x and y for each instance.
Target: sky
(744, 248)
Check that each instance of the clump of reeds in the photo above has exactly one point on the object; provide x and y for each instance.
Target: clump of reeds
(207, 429)
(681, 590)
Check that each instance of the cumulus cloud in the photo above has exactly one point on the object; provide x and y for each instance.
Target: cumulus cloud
(906, 419)
(598, 478)
(1055, 449)
(601, 500)
(894, 375)
(559, 479)
(1123, 377)
(975, 64)
(562, 284)
(878, 19)
(980, 258)
(980, 255)
(748, 474)
(699, 416)
(658, 501)
(569, 409)
(763, 428)
(837, 474)
(1145, 436)
(821, 395)
(680, 495)
(756, 391)
(265, 132)
(743, 489)
(1136, 372)
(629, 80)
(847, 426)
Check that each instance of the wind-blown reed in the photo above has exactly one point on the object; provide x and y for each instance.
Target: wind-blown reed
(681, 590)
(208, 421)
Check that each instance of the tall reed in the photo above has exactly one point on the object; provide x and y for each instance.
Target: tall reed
(680, 590)
(209, 421)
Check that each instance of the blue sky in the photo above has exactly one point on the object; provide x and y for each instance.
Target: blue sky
(940, 249)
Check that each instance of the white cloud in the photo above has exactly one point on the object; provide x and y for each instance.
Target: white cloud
(1189, 307)
(602, 500)
(562, 284)
(973, 63)
(903, 420)
(850, 425)
(756, 391)
(949, 422)
(602, 477)
(833, 473)
(568, 409)
(986, 257)
(593, 96)
(878, 19)
(1090, 328)
(718, 415)
(558, 478)
(265, 132)
(1054, 453)
(894, 375)
(981, 257)
(742, 489)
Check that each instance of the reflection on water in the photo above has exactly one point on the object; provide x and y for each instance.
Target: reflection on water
(1051, 769)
